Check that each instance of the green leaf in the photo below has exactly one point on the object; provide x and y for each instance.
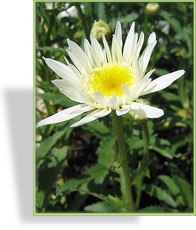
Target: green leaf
(101, 207)
(97, 128)
(152, 209)
(73, 184)
(185, 190)
(172, 21)
(164, 152)
(172, 188)
(179, 144)
(96, 172)
(115, 201)
(159, 194)
(135, 142)
(106, 151)
(169, 184)
(47, 175)
(47, 144)
(59, 99)
(168, 96)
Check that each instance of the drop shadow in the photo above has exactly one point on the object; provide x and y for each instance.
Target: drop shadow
(19, 111)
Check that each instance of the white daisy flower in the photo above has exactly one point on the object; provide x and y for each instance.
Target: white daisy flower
(103, 79)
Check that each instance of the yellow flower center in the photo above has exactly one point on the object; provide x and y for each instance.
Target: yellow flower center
(108, 81)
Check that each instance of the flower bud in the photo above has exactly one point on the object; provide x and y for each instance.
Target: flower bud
(99, 29)
(152, 8)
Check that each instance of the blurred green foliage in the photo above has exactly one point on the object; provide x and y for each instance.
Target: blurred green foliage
(76, 169)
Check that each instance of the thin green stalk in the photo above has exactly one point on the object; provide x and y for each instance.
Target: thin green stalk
(114, 133)
(117, 121)
(145, 161)
(81, 15)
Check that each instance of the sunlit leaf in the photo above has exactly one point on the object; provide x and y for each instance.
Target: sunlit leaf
(164, 152)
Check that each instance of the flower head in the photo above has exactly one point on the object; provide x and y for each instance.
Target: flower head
(102, 79)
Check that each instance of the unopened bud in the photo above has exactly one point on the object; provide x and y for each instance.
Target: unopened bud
(100, 29)
(152, 8)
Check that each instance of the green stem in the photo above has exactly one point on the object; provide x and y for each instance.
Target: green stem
(81, 15)
(117, 121)
(114, 132)
(146, 137)
(145, 161)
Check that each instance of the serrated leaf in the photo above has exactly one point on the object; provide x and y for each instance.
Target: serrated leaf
(73, 184)
(96, 172)
(106, 151)
(159, 194)
(135, 143)
(118, 203)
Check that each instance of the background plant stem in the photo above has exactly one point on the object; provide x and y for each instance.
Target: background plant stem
(81, 15)
(117, 121)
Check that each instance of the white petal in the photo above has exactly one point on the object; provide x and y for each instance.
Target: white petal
(144, 83)
(162, 82)
(122, 111)
(116, 51)
(145, 57)
(147, 111)
(103, 113)
(61, 69)
(107, 50)
(152, 38)
(70, 91)
(134, 106)
(140, 44)
(87, 48)
(69, 81)
(91, 117)
(137, 69)
(60, 83)
(132, 55)
(97, 49)
(147, 75)
(100, 99)
(65, 115)
(128, 47)
(118, 33)
(77, 50)
(127, 91)
(75, 71)
(82, 62)
(114, 102)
